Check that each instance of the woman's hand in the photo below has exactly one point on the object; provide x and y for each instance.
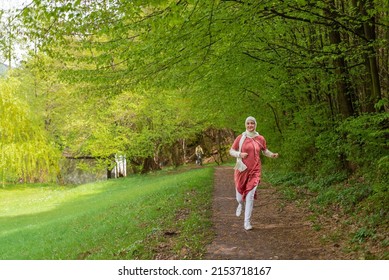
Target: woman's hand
(275, 155)
(243, 155)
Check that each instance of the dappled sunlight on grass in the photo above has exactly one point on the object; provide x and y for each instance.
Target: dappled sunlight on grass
(112, 219)
(24, 200)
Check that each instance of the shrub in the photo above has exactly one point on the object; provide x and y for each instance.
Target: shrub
(365, 144)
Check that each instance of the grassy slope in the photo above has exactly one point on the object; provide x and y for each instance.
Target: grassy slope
(126, 218)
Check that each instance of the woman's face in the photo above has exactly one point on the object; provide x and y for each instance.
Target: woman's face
(250, 126)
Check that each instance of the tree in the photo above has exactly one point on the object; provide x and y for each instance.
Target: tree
(26, 153)
(303, 66)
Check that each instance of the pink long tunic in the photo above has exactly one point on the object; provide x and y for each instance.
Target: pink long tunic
(247, 180)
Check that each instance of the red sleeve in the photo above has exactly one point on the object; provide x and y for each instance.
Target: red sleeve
(264, 144)
(235, 145)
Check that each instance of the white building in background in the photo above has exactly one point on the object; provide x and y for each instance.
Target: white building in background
(120, 169)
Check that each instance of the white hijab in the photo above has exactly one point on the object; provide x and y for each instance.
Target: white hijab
(253, 133)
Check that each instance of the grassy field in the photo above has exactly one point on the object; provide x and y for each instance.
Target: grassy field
(156, 216)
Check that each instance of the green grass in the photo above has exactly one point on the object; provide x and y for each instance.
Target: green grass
(140, 217)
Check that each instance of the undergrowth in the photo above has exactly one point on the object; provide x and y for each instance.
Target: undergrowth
(357, 209)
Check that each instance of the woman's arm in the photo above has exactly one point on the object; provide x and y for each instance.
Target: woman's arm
(234, 153)
(270, 154)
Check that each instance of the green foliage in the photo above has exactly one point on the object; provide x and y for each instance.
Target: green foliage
(378, 202)
(346, 196)
(289, 179)
(26, 152)
(302, 146)
(323, 182)
(365, 143)
(328, 153)
(361, 209)
(330, 190)
(359, 143)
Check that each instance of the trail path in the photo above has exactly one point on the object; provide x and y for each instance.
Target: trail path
(281, 230)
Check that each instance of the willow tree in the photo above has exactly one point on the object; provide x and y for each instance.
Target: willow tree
(26, 153)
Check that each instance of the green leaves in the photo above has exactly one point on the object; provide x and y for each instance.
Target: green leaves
(26, 152)
(150, 73)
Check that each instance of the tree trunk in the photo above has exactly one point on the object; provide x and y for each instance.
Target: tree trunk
(149, 164)
(343, 86)
(369, 28)
(175, 156)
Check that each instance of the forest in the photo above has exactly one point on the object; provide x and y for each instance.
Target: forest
(152, 79)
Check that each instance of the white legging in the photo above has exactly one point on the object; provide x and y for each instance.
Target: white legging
(249, 204)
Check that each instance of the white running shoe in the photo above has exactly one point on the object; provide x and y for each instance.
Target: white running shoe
(248, 226)
(239, 210)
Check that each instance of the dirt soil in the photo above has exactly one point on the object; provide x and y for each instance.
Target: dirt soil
(281, 230)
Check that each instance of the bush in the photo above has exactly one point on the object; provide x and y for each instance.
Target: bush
(299, 147)
(327, 159)
(378, 201)
(365, 144)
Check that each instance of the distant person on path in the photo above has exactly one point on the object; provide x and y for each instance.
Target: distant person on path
(246, 148)
(199, 155)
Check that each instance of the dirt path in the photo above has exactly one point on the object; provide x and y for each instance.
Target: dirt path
(281, 230)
